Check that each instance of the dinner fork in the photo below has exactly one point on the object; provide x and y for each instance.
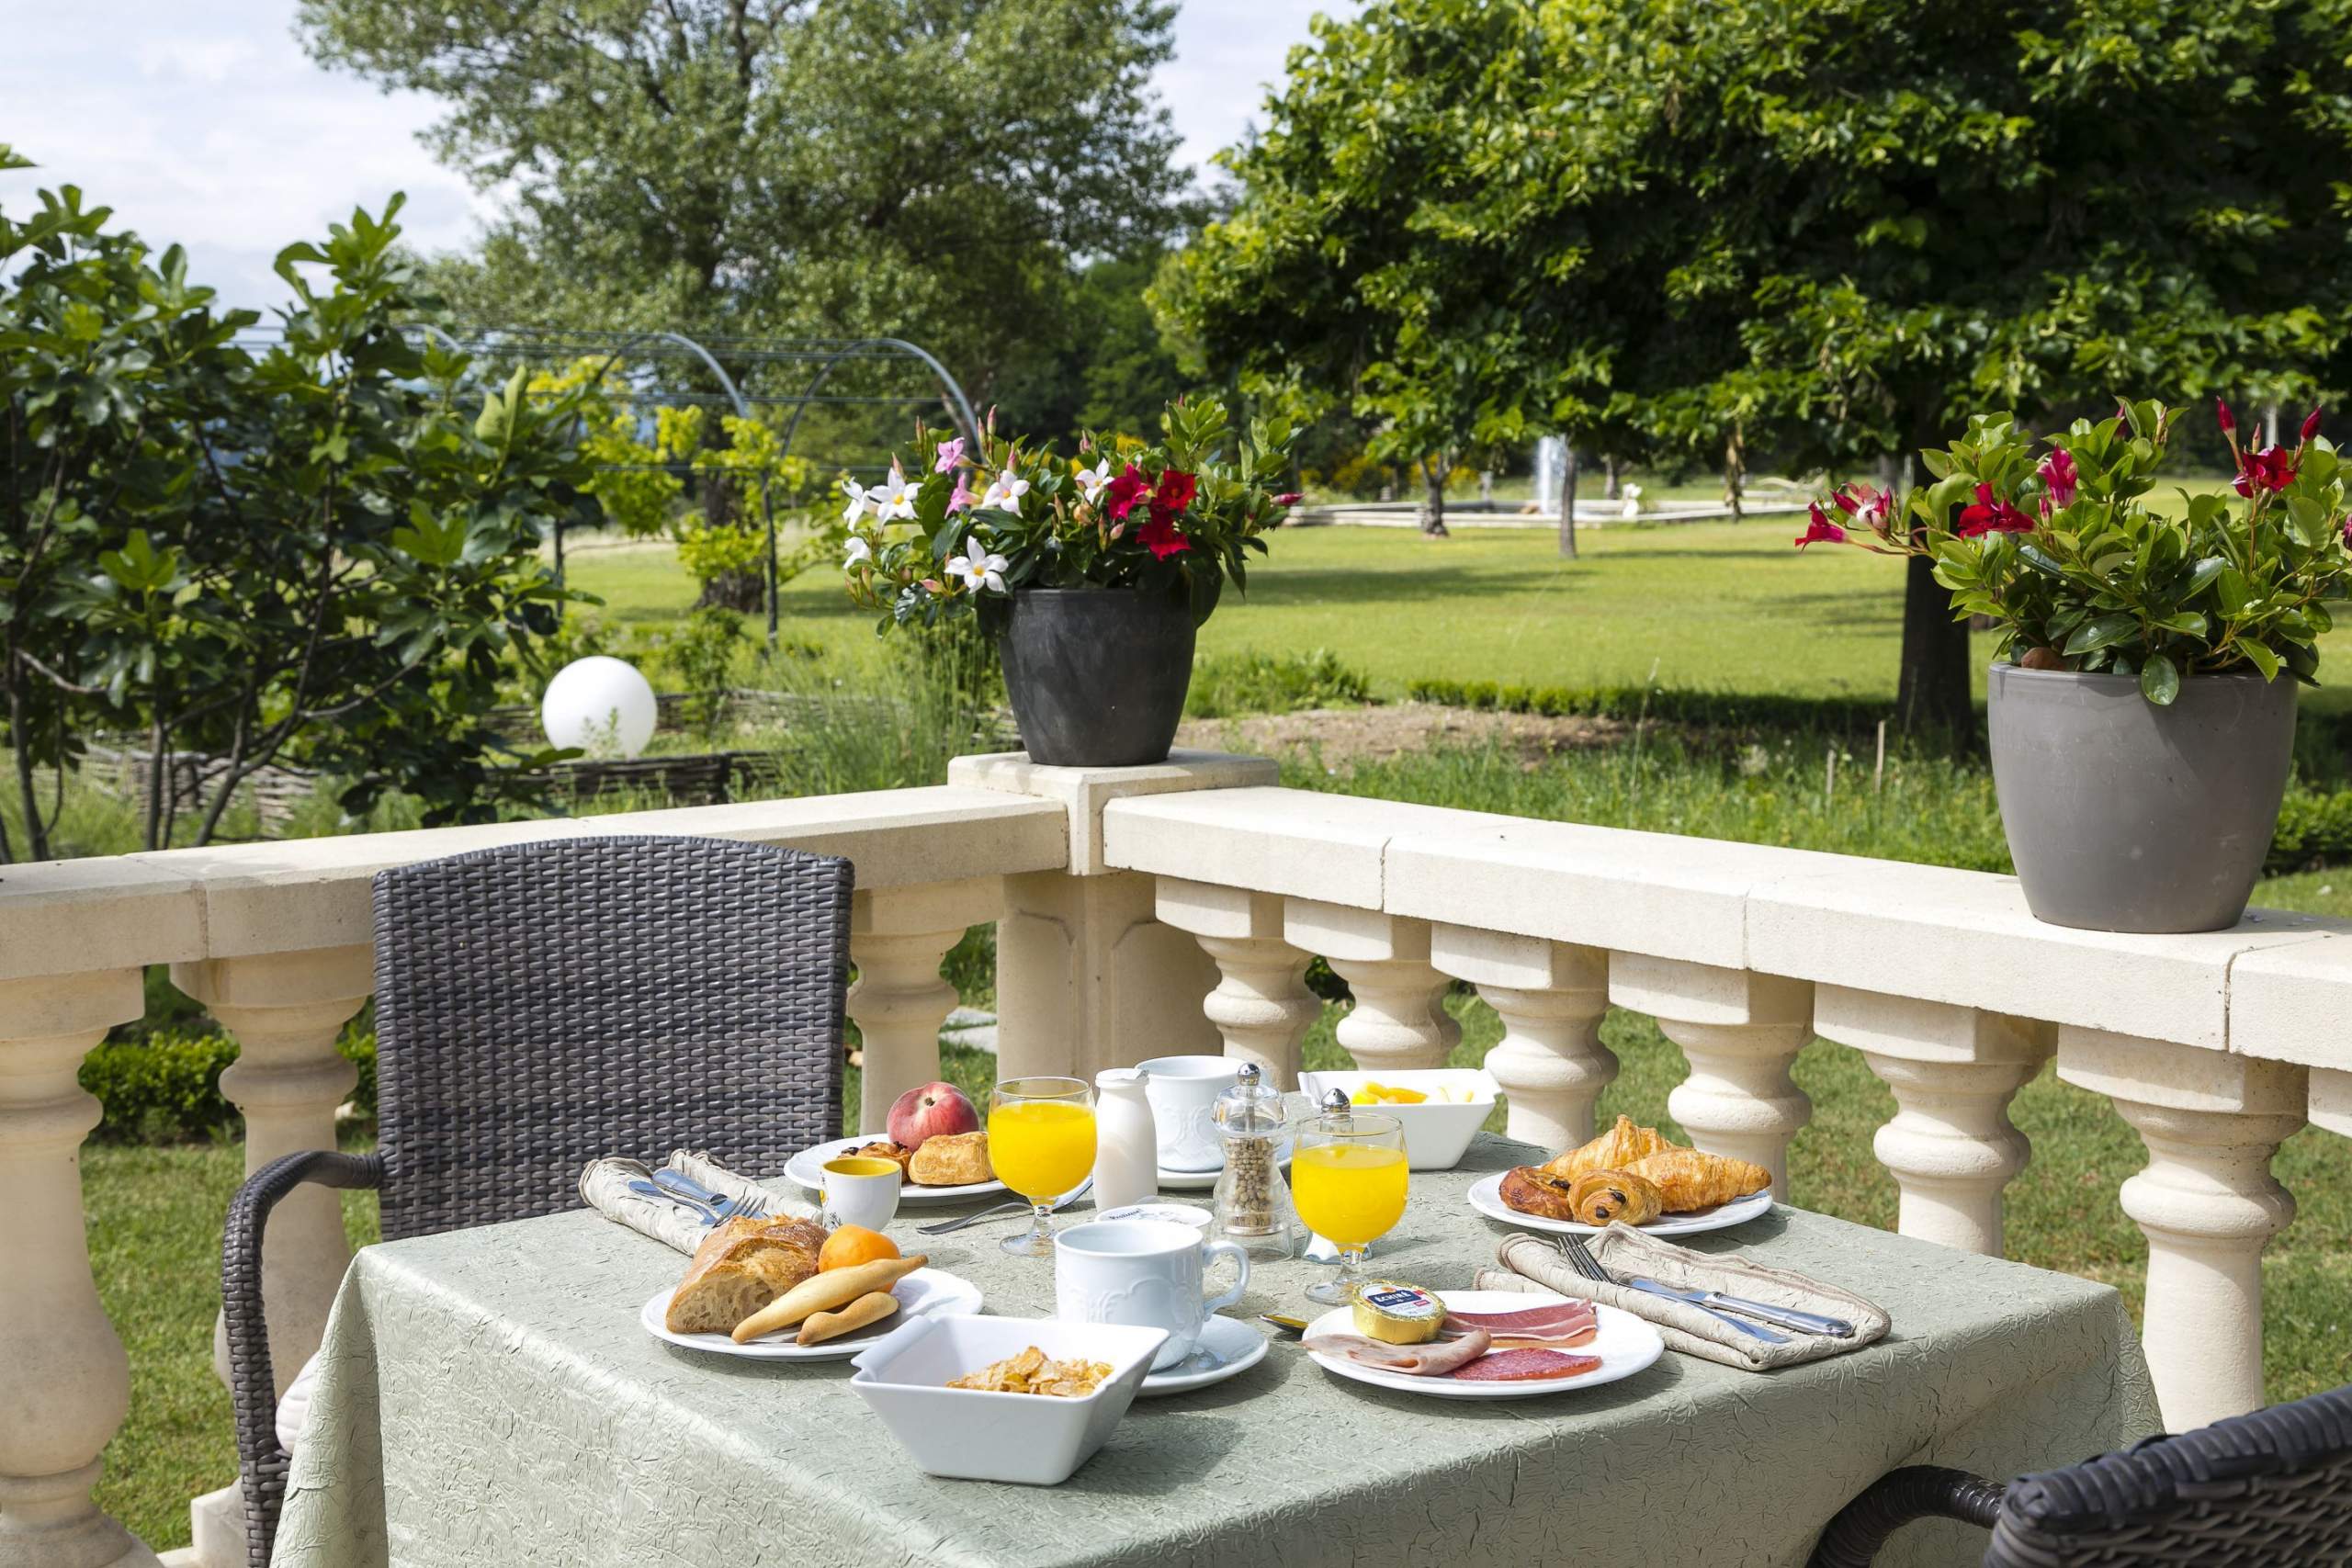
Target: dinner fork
(1581, 1259)
(722, 1207)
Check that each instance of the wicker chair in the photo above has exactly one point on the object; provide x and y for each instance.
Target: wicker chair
(2271, 1488)
(542, 1004)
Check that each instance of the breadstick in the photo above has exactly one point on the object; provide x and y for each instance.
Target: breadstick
(872, 1307)
(825, 1292)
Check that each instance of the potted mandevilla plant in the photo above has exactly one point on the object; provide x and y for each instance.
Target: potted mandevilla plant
(2143, 697)
(1091, 575)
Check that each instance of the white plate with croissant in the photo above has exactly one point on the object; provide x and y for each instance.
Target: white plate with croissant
(1629, 1175)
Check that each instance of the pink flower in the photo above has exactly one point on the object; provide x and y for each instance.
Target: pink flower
(2058, 473)
(1822, 531)
(950, 453)
(2229, 420)
(1991, 516)
(2270, 470)
(1121, 495)
(1872, 507)
(1161, 538)
(1289, 498)
(2310, 425)
(962, 498)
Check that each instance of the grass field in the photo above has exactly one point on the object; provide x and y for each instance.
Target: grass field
(1706, 606)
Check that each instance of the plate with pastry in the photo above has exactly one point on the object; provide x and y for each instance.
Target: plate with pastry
(1630, 1174)
(754, 1289)
(1479, 1344)
(946, 1168)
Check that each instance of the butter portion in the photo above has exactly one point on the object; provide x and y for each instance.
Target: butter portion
(1397, 1313)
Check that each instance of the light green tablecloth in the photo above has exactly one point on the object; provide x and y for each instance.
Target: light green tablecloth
(488, 1399)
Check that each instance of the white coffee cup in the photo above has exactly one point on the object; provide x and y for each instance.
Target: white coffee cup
(860, 1190)
(1183, 1091)
(1142, 1274)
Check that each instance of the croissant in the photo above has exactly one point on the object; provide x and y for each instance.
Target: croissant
(1598, 1197)
(1686, 1179)
(1531, 1189)
(1613, 1150)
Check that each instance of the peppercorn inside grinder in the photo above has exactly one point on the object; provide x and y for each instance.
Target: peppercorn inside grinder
(1253, 1205)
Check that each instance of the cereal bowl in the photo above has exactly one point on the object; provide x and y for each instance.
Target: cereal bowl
(1437, 1130)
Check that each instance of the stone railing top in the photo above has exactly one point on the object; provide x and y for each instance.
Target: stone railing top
(234, 900)
(1929, 932)
(1084, 792)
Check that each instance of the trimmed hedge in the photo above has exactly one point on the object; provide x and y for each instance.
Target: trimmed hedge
(166, 1088)
(2314, 829)
(1725, 709)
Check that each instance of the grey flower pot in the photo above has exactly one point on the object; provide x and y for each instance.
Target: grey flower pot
(2125, 816)
(1097, 675)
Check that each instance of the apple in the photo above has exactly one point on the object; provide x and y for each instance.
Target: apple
(931, 1110)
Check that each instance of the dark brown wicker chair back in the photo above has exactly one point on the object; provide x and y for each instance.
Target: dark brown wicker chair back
(541, 1004)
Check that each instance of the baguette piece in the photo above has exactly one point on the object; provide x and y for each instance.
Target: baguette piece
(741, 1266)
(872, 1307)
(829, 1291)
(952, 1159)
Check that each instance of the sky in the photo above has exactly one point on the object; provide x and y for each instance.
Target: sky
(203, 121)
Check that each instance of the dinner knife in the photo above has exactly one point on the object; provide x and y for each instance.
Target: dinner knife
(1786, 1317)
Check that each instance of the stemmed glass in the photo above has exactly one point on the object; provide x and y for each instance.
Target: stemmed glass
(1347, 1178)
(1041, 1141)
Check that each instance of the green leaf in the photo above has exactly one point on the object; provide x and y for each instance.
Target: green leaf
(2104, 631)
(2159, 680)
(2262, 658)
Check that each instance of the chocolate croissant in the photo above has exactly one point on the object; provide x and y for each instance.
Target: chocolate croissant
(1531, 1189)
(1600, 1197)
(1613, 1150)
(1687, 1178)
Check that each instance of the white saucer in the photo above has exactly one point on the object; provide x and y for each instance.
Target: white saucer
(923, 1293)
(1228, 1347)
(1198, 1180)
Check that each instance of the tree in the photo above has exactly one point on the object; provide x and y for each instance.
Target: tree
(319, 553)
(925, 168)
(1819, 229)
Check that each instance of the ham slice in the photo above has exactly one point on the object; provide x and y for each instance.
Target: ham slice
(1434, 1360)
(1524, 1365)
(1556, 1326)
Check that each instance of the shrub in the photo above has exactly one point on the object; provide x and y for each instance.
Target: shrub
(166, 1087)
(1226, 684)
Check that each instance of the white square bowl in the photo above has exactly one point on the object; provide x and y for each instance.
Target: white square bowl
(1030, 1439)
(1437, 1133)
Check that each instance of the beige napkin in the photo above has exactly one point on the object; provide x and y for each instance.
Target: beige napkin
(1531, 1263)
(603, 1187)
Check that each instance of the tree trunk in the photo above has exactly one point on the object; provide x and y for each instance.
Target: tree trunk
(1933, 692)
(745, 591)
(1609, 477)
(1433, 498)
(1734, 471)
(1568, 506)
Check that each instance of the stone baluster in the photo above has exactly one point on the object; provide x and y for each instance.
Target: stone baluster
(1550, 996)
(1740, 1031)
(1260, 1004)
(2332, 1100)
(2206, 1202)
(1088, 977)
(1398, 1021)
(1953, 1071)
(64, 1378)
(897, 937)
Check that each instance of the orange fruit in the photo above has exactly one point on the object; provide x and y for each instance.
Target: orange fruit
(853, 1244)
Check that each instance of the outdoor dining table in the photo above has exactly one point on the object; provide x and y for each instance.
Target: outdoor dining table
(487, 1397)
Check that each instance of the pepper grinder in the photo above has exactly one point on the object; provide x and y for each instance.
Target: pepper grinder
(1253, 1205)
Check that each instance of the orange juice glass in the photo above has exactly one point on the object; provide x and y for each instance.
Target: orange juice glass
(1347, 1177)
(1041, 1141)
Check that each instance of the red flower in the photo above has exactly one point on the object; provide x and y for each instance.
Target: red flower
(1823, 531)
(2058, 473)
(1991, 516)
(1864, 504)
(1289, 498)
(2310, 425)
(2271, 470)
(1123, 494)
(1176, 491)
(1159, 536)
(2229, 420)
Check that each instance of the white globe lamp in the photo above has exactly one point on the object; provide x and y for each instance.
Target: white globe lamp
(600, 706)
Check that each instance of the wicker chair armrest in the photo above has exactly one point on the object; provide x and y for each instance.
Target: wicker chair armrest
(253, 1386)
(1893, 1500)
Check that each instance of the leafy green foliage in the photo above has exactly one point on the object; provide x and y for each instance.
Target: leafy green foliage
(321, 552)
(1177, 517)
(165, 1086)
(1227, 684)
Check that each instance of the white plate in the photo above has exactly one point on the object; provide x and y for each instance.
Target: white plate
(1228, 1348)
(1625, 1345)
(808, 1168)
(1487, 1197)
(1198, 1180)
(926, 1292)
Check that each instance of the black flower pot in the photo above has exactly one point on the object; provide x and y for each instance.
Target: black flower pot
(1097, 675)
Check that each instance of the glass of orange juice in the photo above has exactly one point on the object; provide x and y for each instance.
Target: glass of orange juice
(1041, 1141)
(1347, 1177)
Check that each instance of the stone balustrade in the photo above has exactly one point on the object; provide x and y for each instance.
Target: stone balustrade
(1175, 909)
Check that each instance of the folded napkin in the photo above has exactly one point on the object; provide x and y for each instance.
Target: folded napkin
(1531, 1263)
(603, 1187)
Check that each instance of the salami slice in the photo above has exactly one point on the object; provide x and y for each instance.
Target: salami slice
(1523, 1366)
(1560, 1325)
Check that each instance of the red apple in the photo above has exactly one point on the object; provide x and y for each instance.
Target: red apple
(931, 1110)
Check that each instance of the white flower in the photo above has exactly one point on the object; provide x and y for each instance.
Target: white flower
(976, 567)
(1005, 492)
(1093, 482)
(859, 550)
(894, 499)
(857, 501)
(1632, 492)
